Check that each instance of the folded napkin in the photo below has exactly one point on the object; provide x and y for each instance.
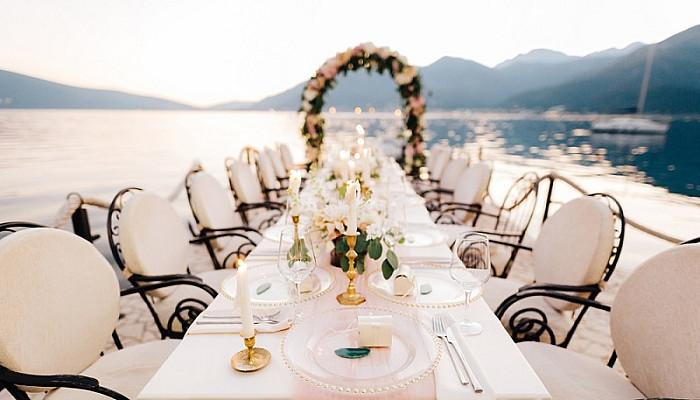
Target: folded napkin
(440, 254)
(285, 318)
(447, 383)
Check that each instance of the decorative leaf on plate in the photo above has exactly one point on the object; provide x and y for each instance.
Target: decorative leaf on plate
(263, 288)
(352, 352)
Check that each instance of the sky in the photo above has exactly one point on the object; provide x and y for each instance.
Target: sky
(205, 52)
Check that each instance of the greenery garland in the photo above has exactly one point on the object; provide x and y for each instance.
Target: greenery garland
(369, 57)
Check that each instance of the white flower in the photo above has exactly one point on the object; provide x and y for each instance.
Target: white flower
(370, 48)
(384, 52)
(306, 106)
(310, 94)
(373, 231)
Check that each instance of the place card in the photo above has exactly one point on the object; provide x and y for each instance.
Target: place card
(404, 281)
(375, 330)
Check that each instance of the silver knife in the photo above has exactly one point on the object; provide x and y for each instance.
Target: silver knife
(472, 378)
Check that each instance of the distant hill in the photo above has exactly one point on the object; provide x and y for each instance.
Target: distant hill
(674, 85)
(606, 81)
(21, 91)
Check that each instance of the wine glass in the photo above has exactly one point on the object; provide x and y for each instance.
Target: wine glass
(296, 259)
(394, 223)
(470, 267)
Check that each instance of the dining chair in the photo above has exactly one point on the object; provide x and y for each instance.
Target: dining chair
(448, 180)
(150, 244)
(219, 227)
(655, 330)
(278, 166)
(509, 222)
(254, 209)
(468, 196)
(60, 305)
(287, 158)
(271, 187)
(575, 253)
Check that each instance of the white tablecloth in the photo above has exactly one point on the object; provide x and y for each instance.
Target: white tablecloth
(199, 368)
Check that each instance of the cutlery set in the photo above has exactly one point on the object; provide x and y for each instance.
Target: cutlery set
(448, 337)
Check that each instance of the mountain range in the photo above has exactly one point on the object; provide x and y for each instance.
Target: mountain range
(606, 82)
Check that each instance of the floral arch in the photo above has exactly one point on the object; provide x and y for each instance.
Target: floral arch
(369, 57)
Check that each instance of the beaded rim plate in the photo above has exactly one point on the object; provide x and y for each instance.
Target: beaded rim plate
(423, 235)
(415, 350)
(445, 291)
(278, 294)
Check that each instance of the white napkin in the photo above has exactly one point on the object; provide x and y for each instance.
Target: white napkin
(435, 254)
(284, 317)
(447, 383)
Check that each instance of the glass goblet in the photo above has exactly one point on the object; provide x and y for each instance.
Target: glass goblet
(470, 267)
(296, 259)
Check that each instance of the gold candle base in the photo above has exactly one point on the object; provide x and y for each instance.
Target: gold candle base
(252, 358)
(350, 297)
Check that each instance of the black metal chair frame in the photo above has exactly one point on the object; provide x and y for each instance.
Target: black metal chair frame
(447, 209)
(534, 326)
(187, 310)
(243, 208)
(11, 380)
(509, 224)
(205, 235)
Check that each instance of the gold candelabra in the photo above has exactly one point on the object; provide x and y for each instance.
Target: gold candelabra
(350, 297)
(251, 358)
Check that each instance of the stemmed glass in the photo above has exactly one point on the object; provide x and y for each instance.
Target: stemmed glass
(296, 259)
(470, 267)
(395, 223)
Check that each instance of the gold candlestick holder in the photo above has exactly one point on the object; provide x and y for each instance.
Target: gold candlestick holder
(350, 297)
(295, 221)
(252, 358)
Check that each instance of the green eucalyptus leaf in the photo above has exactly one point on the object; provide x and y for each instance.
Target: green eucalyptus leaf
(344, 263)
(387, 269)
(360, 265)
(361, 244)
(375, 248)
(341, 246)
(263, 288)
(392, 259)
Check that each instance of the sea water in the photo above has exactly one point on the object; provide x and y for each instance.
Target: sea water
(47, 154)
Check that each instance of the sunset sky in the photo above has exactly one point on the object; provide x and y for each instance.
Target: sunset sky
(213, 51)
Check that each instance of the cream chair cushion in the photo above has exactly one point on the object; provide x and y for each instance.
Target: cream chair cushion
(286, 155)
(572, 376)
(471, 188)
(245, 184)
(277, 163)
(267, 171)
(60, 302)
(126, 371)
(655, 324)
(153, 238)
(442, 157)
(213, 206)
(454, 169)
(574, 245)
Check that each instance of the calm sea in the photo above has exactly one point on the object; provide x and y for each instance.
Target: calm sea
(46, 154)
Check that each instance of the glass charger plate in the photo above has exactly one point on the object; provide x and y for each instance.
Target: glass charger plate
(445, 292)
(308, 351)
(423, 235)
(279, 292)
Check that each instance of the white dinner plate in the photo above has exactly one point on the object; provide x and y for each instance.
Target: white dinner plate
(280, 292)
(423, 235)
(444, 291)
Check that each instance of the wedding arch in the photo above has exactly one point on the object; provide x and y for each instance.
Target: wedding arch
(368, 57)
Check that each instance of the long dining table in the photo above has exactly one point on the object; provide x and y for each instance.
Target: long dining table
(200, 367)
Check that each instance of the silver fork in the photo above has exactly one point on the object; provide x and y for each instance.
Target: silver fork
(453, 341)
(440, 331)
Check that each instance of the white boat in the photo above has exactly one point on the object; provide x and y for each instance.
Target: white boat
(629, 125)
(634, 124)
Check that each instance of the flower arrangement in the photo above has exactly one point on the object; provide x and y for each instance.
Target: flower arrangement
(331, 215)
(367, 56)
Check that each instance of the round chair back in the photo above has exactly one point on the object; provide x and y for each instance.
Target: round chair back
(454, 169)
(286, 155)
(213, 206)
(60, 302)
(245, 185)
(655, 324)
(472, 187)
(574, 246)
(153, 238)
